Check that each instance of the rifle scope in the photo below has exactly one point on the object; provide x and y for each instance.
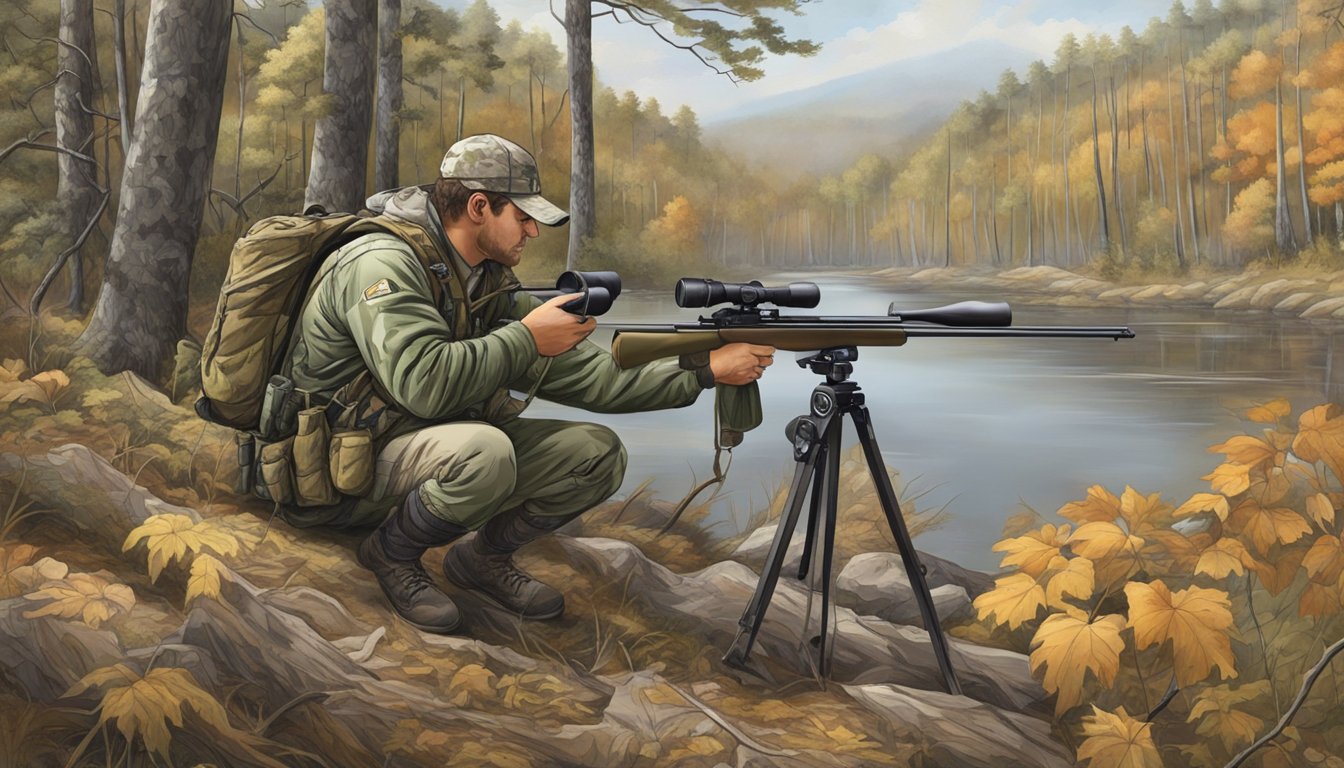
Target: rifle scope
(697, 292)
(599, 290)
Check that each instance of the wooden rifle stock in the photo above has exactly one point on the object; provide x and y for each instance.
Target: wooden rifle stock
(632, 348)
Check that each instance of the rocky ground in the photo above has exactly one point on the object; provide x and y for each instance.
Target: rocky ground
(229, 640)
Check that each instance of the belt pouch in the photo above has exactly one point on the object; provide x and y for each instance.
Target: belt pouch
(352, 461)
(312, 477)
(277, 470)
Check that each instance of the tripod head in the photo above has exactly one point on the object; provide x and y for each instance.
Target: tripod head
(835, 363)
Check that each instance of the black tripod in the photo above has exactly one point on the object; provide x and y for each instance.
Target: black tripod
(816, 448)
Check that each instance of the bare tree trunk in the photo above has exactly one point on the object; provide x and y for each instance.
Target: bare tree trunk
(142, 309)
(1283, 226)
(1115, 169)
(339, 171)
(1302, 150)
(388, 159)
(1068, 243)
(947, 206)
(123, 95)
(77, 190)
(1096, 167)
(582, 188)
(1189, 164)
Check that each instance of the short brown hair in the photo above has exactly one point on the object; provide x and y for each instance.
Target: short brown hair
(450, 199)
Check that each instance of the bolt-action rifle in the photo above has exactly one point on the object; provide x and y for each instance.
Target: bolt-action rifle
(832, 345)
(636, 344)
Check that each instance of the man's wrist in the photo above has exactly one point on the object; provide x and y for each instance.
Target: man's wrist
(698, 363)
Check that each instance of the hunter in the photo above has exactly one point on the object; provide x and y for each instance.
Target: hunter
(455, 464)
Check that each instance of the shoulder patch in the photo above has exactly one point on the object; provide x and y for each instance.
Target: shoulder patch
(381, 288)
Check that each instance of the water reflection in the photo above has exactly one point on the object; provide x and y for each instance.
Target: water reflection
(981, 425)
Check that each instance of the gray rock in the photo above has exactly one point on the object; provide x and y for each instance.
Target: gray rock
(875, 583)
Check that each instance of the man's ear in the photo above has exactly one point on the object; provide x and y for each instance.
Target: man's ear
(476, 207)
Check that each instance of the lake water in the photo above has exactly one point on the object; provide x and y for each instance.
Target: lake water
(981, 426)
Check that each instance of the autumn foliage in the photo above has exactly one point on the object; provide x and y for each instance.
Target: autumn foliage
(1200, 618)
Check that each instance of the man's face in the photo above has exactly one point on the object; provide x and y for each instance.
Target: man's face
(501, 237)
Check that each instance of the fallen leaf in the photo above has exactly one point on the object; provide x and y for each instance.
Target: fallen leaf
(169, 537)
(142, 707)
(205, 577)
(88, 596)
(470, 682)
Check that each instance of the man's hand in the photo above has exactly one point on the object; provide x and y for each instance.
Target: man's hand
(740, 363)
(556, 331)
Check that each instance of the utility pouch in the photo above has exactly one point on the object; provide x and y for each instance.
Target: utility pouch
(312, 476)
(351, 461)
(275, 407)
(738, 411)
(277, 471)
(247, 459)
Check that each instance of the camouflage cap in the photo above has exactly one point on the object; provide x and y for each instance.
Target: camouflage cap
(494, 164)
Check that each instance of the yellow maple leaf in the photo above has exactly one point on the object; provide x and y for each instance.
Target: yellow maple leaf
(1216, 713)
(1266, 526)
(1270, 486)
(1100, 505)
(1141, 512)
(1222, 558)
(1321, 510)
(1320, 437)
(206, 572)
(1075, 578)
(469, 682)
(1229, 479)
(1279, 572)
(1271, 412)
(1248, 450)
(142, 706)
(88, 596)
(1114, 552)
(169, 537)
(1117, 741)
(1194, 619)
(1067, 647)
(1324, 561)
(1321, 600)
(1033, 552)
(1204, 502)
(1015, 599)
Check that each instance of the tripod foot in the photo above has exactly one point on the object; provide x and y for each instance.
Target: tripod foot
(736, 659)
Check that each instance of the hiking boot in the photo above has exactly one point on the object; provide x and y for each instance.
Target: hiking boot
(484, 562)
(393, 551)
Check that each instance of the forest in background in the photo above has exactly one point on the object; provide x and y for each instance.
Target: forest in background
(1213, 138)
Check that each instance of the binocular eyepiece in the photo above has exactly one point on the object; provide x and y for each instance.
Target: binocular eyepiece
(599, 290)
(697, 292)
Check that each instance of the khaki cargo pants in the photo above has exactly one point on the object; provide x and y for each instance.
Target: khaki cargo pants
(470, 471)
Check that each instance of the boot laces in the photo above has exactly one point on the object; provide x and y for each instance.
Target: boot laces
(502, 568)
(414, 578)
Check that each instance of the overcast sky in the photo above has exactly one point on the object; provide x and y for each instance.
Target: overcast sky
(856, 35)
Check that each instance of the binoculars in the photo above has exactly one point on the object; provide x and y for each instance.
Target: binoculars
(599, 290)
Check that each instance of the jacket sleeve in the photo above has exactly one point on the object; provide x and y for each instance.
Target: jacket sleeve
(407, 344)
(587, 377)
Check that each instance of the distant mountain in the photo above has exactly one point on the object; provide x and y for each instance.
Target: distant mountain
(822, 129)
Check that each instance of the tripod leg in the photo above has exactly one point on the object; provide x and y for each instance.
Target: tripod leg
(831, 485)
(913, 569)
(812, 519)
(750, 623)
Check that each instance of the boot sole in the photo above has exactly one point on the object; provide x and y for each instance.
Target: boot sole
(458, 580)
(447, 629)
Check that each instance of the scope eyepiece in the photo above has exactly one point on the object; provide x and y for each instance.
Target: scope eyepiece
(698, 292)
